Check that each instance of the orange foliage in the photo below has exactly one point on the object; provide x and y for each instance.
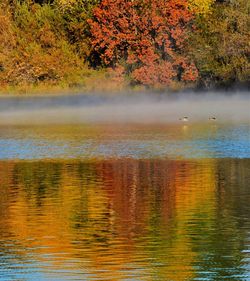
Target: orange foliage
(149, 35)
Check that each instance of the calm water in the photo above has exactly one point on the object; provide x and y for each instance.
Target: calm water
(131, 202)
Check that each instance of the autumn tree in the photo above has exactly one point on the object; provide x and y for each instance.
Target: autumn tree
(147, 37)
(220, 45)
(76, 13)
(33, 44)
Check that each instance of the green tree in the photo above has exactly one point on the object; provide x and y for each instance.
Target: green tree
(221, 46)
(75, 14)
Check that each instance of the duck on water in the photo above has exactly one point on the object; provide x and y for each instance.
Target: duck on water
(185, 119)
(212, 118)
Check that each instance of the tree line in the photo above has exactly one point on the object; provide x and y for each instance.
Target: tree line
(154, 43)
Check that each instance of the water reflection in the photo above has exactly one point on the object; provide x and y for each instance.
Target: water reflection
(125, 219)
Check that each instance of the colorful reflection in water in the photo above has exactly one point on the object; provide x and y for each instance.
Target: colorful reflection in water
(125, 219)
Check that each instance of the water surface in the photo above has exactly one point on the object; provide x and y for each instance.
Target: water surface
(125, 201)
(198, 140)
(125, 219)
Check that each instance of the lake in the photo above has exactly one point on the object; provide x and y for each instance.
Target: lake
(124, 200)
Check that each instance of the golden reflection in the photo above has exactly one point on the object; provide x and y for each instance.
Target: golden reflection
(114, 217)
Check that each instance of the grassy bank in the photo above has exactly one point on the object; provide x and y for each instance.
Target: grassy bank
(86, 81)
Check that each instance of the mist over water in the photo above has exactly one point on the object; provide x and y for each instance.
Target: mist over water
(126, 108)
(126, 125)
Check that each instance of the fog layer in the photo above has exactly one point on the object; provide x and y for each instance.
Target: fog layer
(139, 108)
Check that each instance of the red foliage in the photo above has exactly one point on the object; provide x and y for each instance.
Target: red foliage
(148, 34)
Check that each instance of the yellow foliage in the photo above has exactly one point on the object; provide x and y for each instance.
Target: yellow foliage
(33, 48)
(201, 6)
(65, 4)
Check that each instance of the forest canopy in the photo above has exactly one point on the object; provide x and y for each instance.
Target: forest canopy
(152, 43)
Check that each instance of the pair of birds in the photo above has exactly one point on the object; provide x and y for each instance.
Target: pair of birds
(185, 119)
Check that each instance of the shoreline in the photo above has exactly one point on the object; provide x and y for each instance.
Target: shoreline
(101, 84)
